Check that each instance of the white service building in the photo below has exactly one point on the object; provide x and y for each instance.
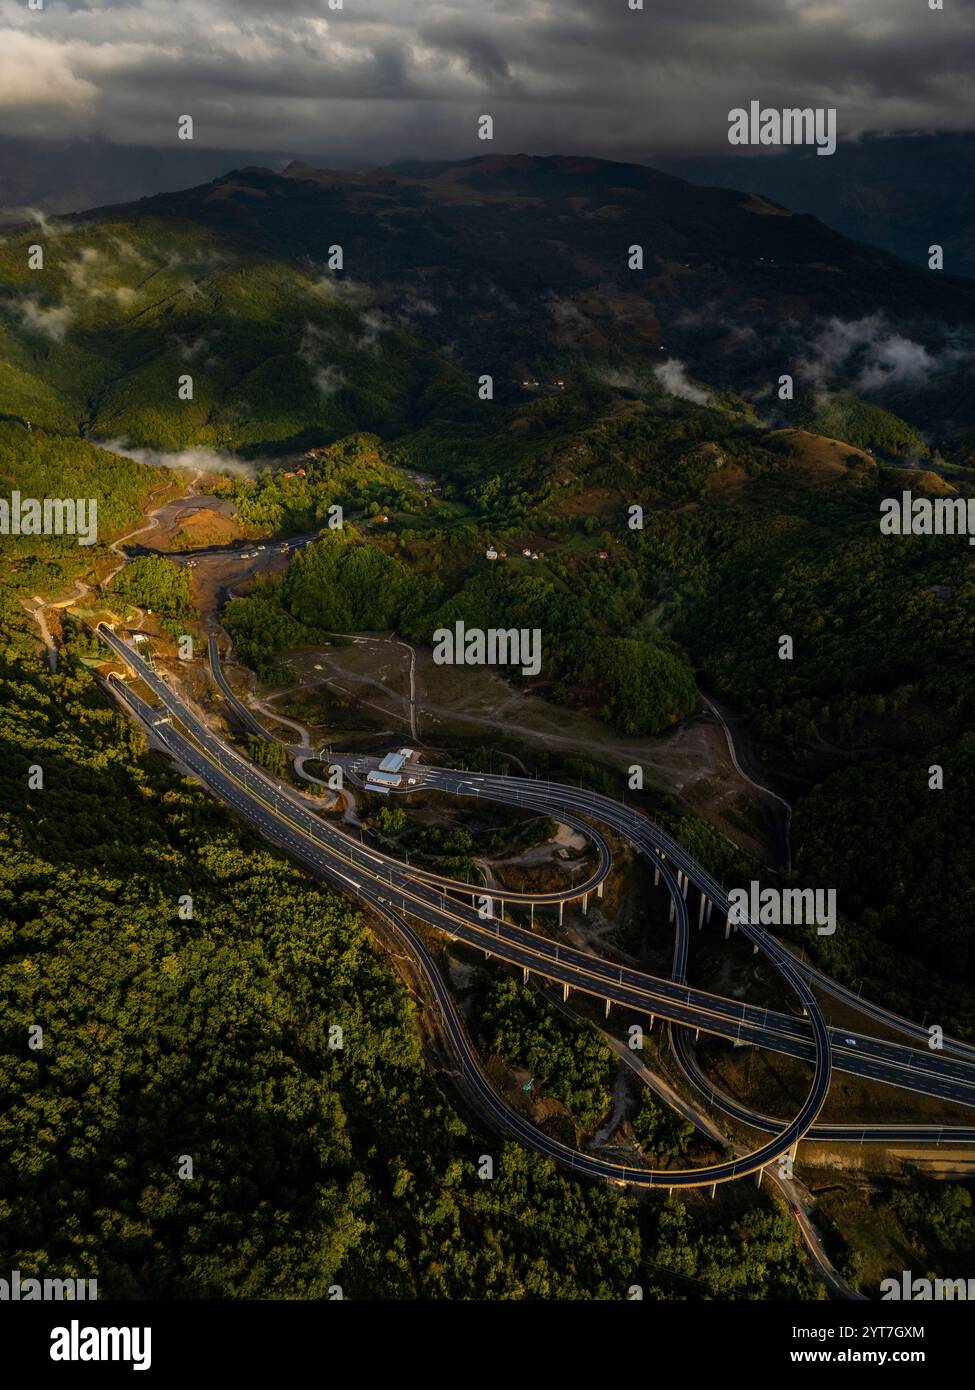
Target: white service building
(383, 782)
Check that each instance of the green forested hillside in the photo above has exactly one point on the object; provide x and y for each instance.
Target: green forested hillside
(208, 1037)
(641, 683)
(235, 283)
(878, 691)
(903, 867)
(355, 472)
(98, 340)
(43, 465)
(338, 586)
(567, 1060)
(156, 583)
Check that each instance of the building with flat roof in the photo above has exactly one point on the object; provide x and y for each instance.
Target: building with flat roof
(392, 762)
(382, 782)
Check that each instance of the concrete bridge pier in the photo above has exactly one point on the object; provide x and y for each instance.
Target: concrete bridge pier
(608, 1002)
(561, 906)
(673, 909)
(727, 926)
(585, 903)
(656, 876)
(565, 992)
(599, 890)
(700, 915)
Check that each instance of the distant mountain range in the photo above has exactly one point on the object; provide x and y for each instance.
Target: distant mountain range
(898, 192)
(514, 266)
(901, 192)
(60, 176)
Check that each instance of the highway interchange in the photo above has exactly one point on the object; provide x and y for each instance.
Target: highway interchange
(398, 892)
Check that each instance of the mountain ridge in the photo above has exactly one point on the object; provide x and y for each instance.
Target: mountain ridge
(515, 267)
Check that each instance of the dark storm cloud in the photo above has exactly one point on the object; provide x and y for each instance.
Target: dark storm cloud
(409, 78)
(476, 46)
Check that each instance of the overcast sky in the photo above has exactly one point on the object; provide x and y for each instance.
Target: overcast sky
(387, 79)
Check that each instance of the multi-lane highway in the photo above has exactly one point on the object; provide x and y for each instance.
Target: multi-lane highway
(858, 1053)
(826, 1133)
(652, 840)
(399, 891)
